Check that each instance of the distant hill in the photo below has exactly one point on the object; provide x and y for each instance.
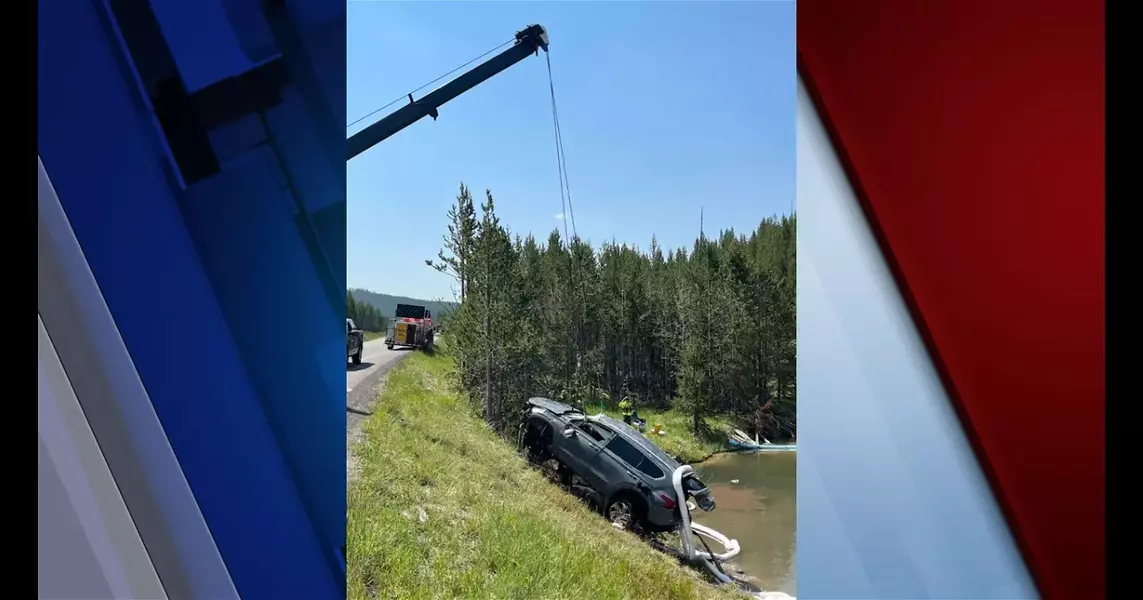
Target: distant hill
(388, 304)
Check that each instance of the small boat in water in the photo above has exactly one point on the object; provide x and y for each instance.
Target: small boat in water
(753, 446)
(740, 441)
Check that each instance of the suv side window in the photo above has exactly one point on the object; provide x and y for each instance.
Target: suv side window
(350, 325)
(625, 451)
(633, 456)
(596, 432)
(650, 469)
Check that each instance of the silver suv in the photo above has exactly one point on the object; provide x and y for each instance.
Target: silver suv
(630, 477)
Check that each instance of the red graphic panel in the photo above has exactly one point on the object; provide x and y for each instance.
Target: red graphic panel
(973, 132)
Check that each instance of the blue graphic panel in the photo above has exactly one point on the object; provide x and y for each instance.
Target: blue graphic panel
(198, 154)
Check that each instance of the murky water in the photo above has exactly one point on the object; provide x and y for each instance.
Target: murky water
(759, 511)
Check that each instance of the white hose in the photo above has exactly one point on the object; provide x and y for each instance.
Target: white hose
(689, 527)
(707, 559)
(717, 573)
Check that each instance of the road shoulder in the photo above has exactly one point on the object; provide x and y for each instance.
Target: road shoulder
(359, 406)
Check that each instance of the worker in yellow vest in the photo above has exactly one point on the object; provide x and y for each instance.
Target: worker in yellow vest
(630, 414)
(625, 408)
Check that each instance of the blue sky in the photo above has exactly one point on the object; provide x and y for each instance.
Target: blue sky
(664, 107)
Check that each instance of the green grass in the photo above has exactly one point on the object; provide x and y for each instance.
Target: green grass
(373, 335)
(444, 508)
(680, 441)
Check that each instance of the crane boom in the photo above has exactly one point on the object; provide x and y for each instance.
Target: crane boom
(528, 41)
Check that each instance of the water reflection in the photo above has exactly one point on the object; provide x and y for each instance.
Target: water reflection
(759, 511)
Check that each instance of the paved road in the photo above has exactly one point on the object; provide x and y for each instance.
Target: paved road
(361, 380)
(362, 385)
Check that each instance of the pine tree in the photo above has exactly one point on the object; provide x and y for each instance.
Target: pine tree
(459, 242)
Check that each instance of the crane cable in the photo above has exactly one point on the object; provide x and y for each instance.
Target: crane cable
(561, 158)
(567, 214)
(404, 96)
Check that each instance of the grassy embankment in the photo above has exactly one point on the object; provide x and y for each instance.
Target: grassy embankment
(373, 335)
(444, 508)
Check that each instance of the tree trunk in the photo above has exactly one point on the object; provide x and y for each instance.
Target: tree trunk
(489, 407)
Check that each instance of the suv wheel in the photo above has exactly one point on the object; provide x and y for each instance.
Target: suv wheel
(536, 442)
(624, 511)
(537, 450)
(537, 454)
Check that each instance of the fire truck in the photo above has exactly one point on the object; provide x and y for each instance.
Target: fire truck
(411, 327)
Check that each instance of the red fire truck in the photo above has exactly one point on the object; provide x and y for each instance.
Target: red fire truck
(411, 327)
